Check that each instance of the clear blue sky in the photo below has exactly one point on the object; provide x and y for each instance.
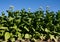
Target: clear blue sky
(33, 4)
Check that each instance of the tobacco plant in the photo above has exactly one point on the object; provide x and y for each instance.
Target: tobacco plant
(19, 25)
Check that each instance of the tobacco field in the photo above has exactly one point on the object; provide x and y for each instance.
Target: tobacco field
(27, 26)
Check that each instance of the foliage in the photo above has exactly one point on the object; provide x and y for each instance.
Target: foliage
(23, 24)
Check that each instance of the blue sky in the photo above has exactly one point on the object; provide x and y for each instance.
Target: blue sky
(54, 5)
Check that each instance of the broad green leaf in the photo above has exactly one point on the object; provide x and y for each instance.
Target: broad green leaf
(4, 28)
(13, 39)
(27, 36)
(51, 36)
(7, 35)
(10, 18)
(46, 30)
(19, 36)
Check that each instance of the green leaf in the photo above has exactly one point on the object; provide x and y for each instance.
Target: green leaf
(19, 36)
(7, 35)
(4, 28)
(51, 36)
(13, 39)
(46, 30)
(27, 36)
(26, 28)
(10, 18)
